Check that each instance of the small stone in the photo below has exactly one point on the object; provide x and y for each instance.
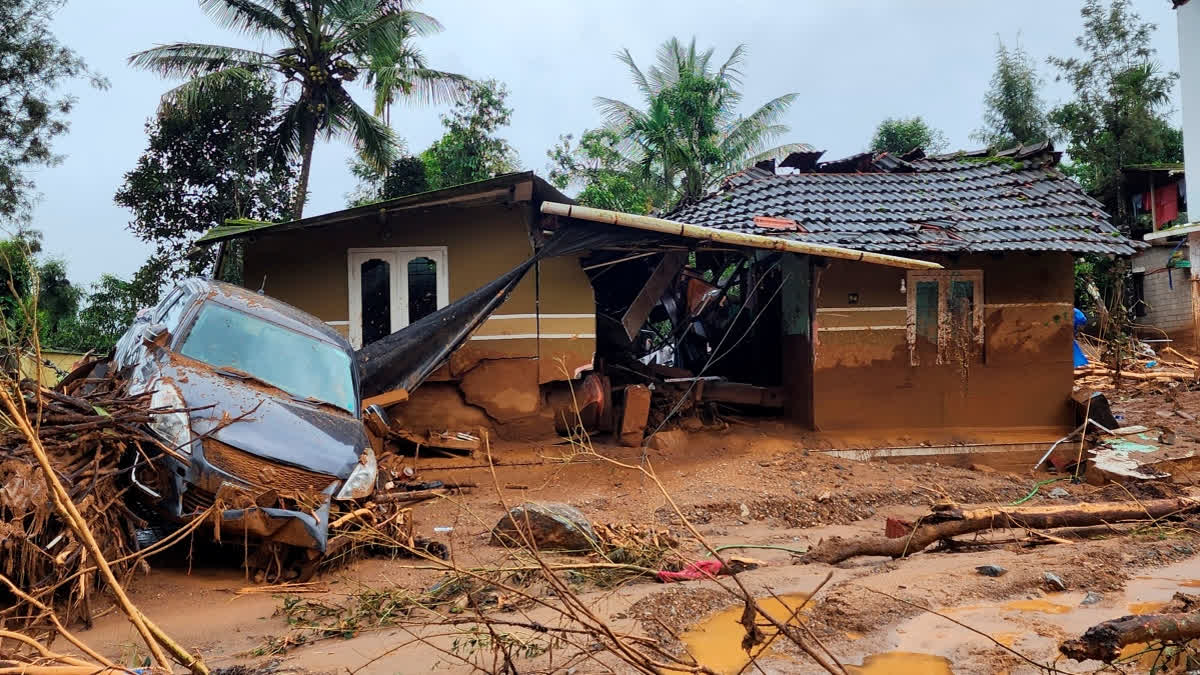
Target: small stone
(1053, 582)
(824, 496)
(745, 510)
(1091, 598)
(1184, 549)
(991, 570)
(1058, 493)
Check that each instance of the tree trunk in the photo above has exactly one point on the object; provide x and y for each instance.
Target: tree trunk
(307, 141)
(953, 522)
(1104, 641)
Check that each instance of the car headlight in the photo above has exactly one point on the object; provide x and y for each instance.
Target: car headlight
(172, 427)
(361, 481)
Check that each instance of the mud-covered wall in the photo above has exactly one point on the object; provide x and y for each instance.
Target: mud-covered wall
(863, 377)
(309, 269)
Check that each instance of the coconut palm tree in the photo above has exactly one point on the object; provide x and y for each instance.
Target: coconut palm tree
(690, 135)
(326, 44)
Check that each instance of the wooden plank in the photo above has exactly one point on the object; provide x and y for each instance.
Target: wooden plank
(658, 283)
(387, 398)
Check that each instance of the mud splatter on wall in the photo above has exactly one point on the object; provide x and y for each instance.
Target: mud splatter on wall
(877, 368)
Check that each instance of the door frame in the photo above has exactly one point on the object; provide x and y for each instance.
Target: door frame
(398, 282)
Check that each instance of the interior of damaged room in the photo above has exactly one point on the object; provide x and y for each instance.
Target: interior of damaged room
(339, 378)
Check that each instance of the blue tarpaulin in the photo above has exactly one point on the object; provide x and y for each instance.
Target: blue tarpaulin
(1080, 358)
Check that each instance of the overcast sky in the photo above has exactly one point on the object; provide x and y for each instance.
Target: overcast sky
(852, 62)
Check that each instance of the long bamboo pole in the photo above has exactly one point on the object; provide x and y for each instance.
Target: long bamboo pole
(652, 224)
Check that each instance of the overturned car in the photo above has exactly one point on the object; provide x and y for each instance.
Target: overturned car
(263, 413)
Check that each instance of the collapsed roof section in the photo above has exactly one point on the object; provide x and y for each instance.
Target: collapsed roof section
(1015, 200)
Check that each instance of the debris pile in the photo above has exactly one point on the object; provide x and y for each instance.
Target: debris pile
(1137, 362)
(92, 439)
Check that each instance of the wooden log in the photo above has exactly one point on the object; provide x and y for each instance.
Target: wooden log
(1103, 642)
(952, 522)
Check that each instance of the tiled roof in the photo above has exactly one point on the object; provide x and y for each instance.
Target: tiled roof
(959, 203)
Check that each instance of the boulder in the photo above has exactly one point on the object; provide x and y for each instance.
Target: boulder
(551, 526)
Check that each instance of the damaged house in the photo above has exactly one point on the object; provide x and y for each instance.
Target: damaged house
(915, 300)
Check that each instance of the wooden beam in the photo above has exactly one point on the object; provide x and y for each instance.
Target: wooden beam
(658, 283)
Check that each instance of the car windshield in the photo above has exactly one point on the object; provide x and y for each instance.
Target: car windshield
(302, 366)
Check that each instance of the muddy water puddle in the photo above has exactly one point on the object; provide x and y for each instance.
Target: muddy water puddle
(1034, 626)
(902, 663)
(717, 643)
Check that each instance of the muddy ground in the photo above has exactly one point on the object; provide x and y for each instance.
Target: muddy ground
(738, 486)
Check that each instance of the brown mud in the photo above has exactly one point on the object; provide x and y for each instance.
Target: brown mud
(743, 486)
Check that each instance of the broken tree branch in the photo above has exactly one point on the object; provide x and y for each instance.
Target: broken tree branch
(1104, 641)
(948, 523)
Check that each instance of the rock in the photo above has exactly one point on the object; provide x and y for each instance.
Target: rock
(667, 441)
(1185, 549)
(551, 526)
(991, 570)
(691, 424)
(1091, 598)
(1058, 493)
(1053, 582)
(745, 510)
(982, 468)
(825, 496)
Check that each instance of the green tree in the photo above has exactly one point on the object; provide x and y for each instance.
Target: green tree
(327, 45)
(595, 166)
(33, 66)
(690, 135)
(1013, 109)
(901, 135)
(1117, 115)
(471, 149)
(111, 306)
(405, 176)
(204, 164)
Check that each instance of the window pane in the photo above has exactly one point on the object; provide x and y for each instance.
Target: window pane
(376, 300)
(422, 288)
(927, 311)
(173, 312)
(962, 307)
(962, 320)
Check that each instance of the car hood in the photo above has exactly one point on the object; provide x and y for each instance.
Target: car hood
(279, 429)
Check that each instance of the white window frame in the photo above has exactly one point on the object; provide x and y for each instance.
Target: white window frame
(943, 278)
(397, 258)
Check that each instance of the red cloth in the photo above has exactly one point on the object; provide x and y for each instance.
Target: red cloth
(701, 569)
(1166, 204)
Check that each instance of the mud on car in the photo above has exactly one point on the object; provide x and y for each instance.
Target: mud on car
(264, 414)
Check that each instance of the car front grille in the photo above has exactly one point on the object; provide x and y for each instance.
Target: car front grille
(196, 500)
(263, 473)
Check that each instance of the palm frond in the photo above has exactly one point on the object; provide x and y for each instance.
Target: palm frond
(617, 114)
(192, 59)
(639, 78)
(729, 71)
(374, 140)
(190, 94)
(246, 16)
(419, 85)
(288, 130)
